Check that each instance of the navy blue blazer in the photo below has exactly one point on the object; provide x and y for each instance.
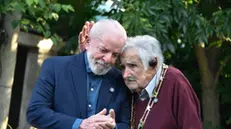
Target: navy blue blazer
(60, 94)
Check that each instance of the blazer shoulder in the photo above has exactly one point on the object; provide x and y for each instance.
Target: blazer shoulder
(59, 60)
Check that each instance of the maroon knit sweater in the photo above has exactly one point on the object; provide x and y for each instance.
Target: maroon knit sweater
(177, 108)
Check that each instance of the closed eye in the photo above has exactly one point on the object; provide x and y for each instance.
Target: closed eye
(103, 50)
(132, 65)
(115, 55)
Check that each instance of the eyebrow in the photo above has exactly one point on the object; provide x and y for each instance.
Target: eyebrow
(103, 47)
(130, 62)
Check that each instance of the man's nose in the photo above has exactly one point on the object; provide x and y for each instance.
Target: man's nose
(126, 73)
(108, 58)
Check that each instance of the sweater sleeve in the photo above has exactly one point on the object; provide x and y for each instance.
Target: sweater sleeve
(186, 105)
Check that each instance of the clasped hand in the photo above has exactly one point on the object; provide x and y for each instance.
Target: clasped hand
(100, 121)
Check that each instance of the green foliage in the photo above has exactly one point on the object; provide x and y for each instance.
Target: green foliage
(222, 21)
(37, 15)
(168, 20)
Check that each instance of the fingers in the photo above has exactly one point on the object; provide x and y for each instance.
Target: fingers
(103, 112)
(104, 126)
(112, 113)
(80, 37)
(87, 27)
(86, 124)
(110, 125)
(90, 26)
(103, 121)
(101, 118)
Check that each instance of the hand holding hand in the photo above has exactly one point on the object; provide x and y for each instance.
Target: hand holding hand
(97, 121)
(109, 124)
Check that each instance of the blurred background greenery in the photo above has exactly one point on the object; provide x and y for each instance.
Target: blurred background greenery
(195, 37)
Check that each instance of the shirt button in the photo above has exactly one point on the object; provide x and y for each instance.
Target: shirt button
(92, 89)
(89, 105)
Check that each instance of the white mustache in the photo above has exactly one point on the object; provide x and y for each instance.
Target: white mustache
(130, 78)
(102, 63)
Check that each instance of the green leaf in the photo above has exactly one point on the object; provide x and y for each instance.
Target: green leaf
(166, 18)
(46, 16)
(216, 43)
(32, 26)
(25, 21)
(151, 12)
(67, 8)
(18, 6)
(36, 2)
(57, 7)
(46, 26)
(25, 28)
(55, 16)
(42, 21)
(41, 3)
(39, 28)
(15, 23)
(54, 39)
(184, 28)
(198, 23)
(29, 2)
(47, 34)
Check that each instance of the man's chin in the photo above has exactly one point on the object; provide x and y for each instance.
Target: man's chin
(131, 88)
(102, 71)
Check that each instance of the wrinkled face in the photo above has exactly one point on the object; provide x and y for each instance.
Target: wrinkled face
(135, 76)
(103, 53)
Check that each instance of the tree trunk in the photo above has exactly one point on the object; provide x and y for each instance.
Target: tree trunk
(8, 53)
(210, 98)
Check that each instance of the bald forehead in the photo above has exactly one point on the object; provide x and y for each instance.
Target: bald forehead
(106, 27)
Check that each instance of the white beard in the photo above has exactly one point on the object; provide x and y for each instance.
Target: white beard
(98, 67)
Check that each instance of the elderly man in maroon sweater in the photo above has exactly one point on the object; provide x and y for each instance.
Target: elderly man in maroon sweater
(163, 97)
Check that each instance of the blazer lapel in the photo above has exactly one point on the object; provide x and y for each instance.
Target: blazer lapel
(106, 91)
(79, 79)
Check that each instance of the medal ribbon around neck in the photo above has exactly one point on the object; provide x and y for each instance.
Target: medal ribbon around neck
(153, 100)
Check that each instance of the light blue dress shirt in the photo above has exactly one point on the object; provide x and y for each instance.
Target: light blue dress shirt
(93, 85)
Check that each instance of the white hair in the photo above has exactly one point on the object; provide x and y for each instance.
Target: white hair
(147, 48)
(106, 27)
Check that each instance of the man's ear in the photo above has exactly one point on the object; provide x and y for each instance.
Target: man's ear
(153, 62)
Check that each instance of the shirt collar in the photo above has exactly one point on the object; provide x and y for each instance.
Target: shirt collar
(152, 84)
(88, 69)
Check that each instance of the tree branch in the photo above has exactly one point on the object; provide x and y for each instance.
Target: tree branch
(206, 75)
(220, 70)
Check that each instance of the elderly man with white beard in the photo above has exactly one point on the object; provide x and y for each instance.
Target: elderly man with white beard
(163, 97)
(83, 91)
